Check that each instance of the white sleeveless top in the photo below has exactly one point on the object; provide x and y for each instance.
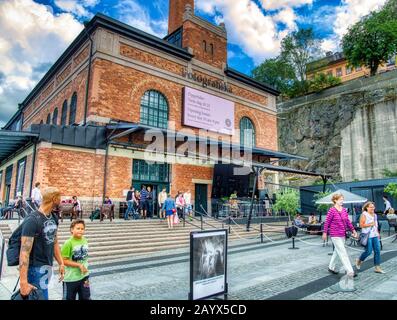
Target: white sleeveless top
(372, 230)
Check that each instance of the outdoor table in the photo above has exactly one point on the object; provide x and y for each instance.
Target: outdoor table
(314, 228)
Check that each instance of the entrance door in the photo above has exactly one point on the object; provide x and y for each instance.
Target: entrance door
(200, 198)
(156, 189)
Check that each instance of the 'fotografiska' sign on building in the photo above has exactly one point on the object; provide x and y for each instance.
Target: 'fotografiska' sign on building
(205, 111)
(207, 82)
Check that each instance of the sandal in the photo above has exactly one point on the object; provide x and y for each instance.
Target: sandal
(358, 264)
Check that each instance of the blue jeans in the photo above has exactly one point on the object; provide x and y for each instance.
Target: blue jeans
(129, 209)
(40, 277)
(373, 244)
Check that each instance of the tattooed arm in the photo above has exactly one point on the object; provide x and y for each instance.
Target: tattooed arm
(58, 258)
(26, 247)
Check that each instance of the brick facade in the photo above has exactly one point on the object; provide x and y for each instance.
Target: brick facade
(207, 46)
(122, 71)
(177, 8)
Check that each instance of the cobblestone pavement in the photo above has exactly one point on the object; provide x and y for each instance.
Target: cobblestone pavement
(255, 271)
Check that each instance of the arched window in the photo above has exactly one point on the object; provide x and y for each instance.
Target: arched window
(205, 46)
(73, 107)
(55, 117)
(247, 132)
(48, 119)
(64, 113)
(41, 122)
(154, 109)
(211, 49)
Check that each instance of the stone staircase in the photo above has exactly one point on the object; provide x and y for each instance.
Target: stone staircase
(5, 230)
(121, 239)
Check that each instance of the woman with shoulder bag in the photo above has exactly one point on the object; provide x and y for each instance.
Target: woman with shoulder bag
(369, 230)
(336, 225)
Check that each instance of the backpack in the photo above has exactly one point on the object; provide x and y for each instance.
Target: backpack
(14, 243)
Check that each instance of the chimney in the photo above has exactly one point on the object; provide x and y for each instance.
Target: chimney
(176, 11)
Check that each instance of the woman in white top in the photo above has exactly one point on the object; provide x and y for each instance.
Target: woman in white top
(369, 224)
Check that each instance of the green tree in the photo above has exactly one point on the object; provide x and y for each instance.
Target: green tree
(298, 49)
(391, 189)
(287, 72)
(277, 73)
(322, 81)
(373, 40)
(388, 173)
(288, 201)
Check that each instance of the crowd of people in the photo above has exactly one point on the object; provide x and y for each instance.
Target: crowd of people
(140, 204)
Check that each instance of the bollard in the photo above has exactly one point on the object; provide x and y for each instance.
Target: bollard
(229, 225)
(293, 244)
(261, 233)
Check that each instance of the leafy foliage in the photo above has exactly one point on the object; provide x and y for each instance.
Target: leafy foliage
(288, 201)
(373, 40)
(322, 81)
(298, 49)
(388, 173)
(391, 189)
(275, 72)
(287, 72)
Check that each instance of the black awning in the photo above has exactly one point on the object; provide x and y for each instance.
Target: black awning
(12, 141)
(271, 167)
(127, 128)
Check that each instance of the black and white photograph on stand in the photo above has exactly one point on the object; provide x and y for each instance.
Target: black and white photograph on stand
(208, 264)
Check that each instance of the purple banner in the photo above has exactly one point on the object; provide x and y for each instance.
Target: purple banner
(205, 111)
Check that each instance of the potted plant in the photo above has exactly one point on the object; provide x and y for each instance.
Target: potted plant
(288, 201)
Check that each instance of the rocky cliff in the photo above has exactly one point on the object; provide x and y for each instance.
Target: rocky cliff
(349, 131)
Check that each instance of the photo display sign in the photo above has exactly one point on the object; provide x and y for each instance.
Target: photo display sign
(208, 263)
(206, 111)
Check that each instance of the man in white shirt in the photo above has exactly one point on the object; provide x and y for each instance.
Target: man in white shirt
(387, 204)
(161, 199)
(188, 203)
(37, 198)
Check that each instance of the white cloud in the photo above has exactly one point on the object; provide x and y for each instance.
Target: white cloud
(249, 27)
(77, 8)
(330, 44)
(31, 40)
(347, 14)
(278, 4)
(134, 14)
(351, 11)
(288, 17)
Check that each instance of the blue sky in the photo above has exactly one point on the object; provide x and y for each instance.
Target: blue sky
(34, 33)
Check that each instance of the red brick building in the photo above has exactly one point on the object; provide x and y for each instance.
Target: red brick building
(113, 84)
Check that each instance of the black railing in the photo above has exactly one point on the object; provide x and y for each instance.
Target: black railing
(242, 209)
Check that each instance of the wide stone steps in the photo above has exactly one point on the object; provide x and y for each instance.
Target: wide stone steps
(124, 239)
(5, 230)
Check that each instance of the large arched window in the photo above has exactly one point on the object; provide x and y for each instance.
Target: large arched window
(247, 132)
(48, 119)
(73, 107)
(154, 109)
(64, 113)
(55, 116)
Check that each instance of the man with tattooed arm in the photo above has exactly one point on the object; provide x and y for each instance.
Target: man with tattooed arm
(39, 246)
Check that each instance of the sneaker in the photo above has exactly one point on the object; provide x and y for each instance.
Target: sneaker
(332, 271)
(358, 264)
(379, 270)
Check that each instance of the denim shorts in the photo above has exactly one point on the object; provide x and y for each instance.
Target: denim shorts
(40, 277)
